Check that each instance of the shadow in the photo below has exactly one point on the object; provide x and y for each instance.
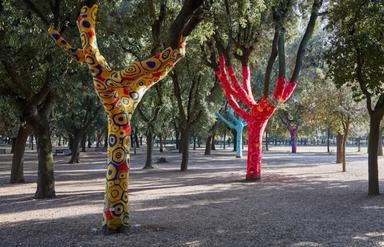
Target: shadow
(210, 205)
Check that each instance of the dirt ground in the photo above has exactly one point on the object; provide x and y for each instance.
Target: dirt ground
(302, 200)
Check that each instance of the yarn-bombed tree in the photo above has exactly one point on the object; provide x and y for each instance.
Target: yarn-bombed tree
(261, 111)
(120, 91)
(238, 125)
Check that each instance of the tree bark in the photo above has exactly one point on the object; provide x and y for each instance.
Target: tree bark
(185, 135)
(31, 142)
(267, 140)
(373, 141)
(161, 143)
(328, 140)
(344, 162)
(293, 133)
(13, 145)
(89, 141)
(148, 161)
(359, 144)
(380, 147)
(213, 146)
(83, 143)
(45, 181)
(208, 145)
(234, 134)
(339, 148)
(75, 148)
(17, 170)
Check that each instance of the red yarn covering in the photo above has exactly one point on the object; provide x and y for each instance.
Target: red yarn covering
(259, 112)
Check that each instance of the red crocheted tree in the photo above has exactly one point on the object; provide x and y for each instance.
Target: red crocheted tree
(259, 112)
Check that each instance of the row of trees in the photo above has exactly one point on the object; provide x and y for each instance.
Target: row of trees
(340, 90)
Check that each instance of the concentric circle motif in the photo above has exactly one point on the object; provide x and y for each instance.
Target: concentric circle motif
(124, 185)
(118, 209)
(151, 64)
(112, 140)
(110, 83)
(165, 54)
(123, 175)
(84, 39)
(55, 36)
(116, 76)
(86, 24)
(118, 155)
(112, 171)
(99, 85)
(126, 141)
(111, 183)
(120, 119)
(125, 219)
(93, 12)
(115, 193)
(134, 95)
(124, 197)
(132, 70)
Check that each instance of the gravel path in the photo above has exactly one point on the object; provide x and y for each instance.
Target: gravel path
(302, 200)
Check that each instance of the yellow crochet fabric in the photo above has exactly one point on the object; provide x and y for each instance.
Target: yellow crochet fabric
(119, 91)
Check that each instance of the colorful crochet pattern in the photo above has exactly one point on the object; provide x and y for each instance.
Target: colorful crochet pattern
(120, 91)
(237, 124)
(259, 112)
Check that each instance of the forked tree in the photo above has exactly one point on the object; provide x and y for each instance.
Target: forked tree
(259, 112)
(120, 91)
(238, 125)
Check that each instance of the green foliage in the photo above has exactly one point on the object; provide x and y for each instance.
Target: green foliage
(356, 54)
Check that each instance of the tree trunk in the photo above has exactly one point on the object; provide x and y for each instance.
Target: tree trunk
(83, 143)
(137, 138)
(161, 143)
(185, 148)
(31, 142)
(234, 134)
(208, 145)
(339, 148)
(148, 161)
(46, 180)
(116, 188)
(106, 139)
(13, 145)
(75, 148)
(373, 141)
(239, 142)
(213, 146)
(177, 140)
(293, 133)
(380, 147)
(328, 140)
(17, 170)
(359, 144)
(225, 137)
(255, 149)
(344, 162)
(89, 141)
(194, 143)
(267, 140)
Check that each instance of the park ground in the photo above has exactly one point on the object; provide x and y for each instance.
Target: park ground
(302, 200)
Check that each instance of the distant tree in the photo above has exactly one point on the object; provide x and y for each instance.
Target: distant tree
(356, 59)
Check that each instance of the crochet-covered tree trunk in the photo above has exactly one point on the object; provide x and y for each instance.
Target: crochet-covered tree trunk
(259, 112)
(238, 125)
(120, 91)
